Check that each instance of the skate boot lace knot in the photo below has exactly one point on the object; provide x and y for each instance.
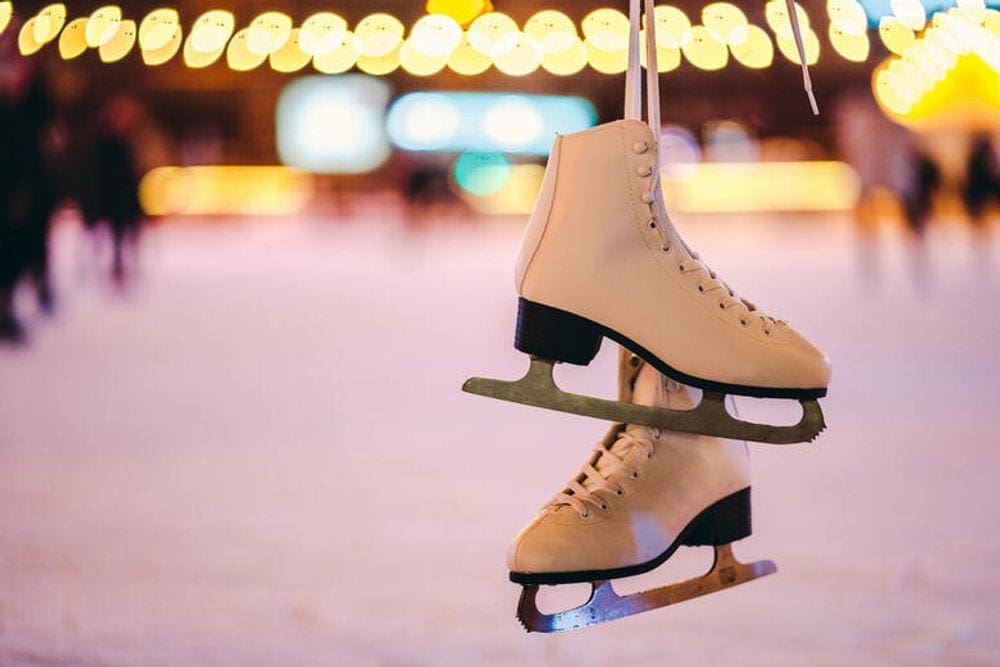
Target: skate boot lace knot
(598, 483)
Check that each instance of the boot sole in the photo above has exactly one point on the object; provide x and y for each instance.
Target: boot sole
(721, 523)
(551, 333)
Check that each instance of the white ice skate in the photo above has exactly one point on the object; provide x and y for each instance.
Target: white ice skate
(601, 258)
(642, 495)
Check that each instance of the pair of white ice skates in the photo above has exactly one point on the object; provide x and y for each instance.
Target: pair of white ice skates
(601, 258)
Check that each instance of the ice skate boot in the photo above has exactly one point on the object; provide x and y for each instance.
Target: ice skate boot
(601, 258)
(642, 495)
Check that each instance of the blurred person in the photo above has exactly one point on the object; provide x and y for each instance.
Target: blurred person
(982, 179)
(27, 188)
(109, 183)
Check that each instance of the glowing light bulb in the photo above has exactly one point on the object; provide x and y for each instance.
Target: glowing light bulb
(211, 31)
(513, 124)
(321, 33)
(166, 52)
(487, 29)
(436, 35)
(567, 62)
(910, 13)
(379, 34)
(121, 44)
(776, 13)
(606, 29)
(667, 59)
(290, 57)
(381, 65)
(896, 36)
(102, 25)
(239, 57)
(991, 21)
(6, 11)
(517, 54)
(158, 28)
(26, 43)
(725, 21)
(849, 15)
(463, 11)
(341, 58)
(48, 23)
(850, 46)
(704, 51)
(198, 59)
(419, 64)
(606, 62)
(756, 51)
(673, 28)
(467, 60)
(73, 40)
(789, 49)
(553, 30)
(268, 32)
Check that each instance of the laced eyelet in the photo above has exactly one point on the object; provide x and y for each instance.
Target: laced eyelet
(648, 197)
(665, 248)
(620, 492)
(652, 223)
(645, 171)
(604, 507)
(743, 322)
(640, 147)
(634, 474)
(701, 288)
(584, 514)
(681, 268)
(767, 332)
(722, 306)
(657, 433)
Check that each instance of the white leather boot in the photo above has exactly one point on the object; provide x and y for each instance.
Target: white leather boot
(600, 257)
(641, 495)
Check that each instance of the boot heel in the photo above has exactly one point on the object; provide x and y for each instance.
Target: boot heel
(550, 333)
(726, 521)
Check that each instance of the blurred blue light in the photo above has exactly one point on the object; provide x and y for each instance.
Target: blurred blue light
(876, 9)
(486, 122)
(334, 125)
(482, 174)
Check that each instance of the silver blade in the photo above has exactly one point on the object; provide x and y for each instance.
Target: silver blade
(538, 388)
(605, 605)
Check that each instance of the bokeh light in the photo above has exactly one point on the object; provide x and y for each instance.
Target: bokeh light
(481, 174)
(239, 57)
(704, 51)
(26, 43)
(463, 11)
(340, 59)
(606, 29)
(786, 44)
(380, 65)
(673, 28)
(487, 29)
(910, 13)
(322, 32)
(290, 57)
(553, 30)
(436, 35)
(102, 25)
(166, 52)
(6, 11)
(756, 51)
(568, 62)
(268, 32)
(48, 22)
(896, 36)
(211, 31)
(121, 44)
(158, 28)
(776, 14)
(73, 40)
(379, 34)
(417, 63)
(467, 60)
(517, 54)
(725, 21)
(850, 46)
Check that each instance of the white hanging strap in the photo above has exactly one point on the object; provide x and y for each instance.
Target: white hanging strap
(633, 83)
(793, 16)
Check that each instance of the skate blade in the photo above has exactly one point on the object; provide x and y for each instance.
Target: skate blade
(605, 605)
(710, 417)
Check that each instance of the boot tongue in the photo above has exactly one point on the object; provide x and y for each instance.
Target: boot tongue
(650, 390)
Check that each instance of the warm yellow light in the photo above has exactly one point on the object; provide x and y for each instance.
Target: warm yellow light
(607, 29)
(102, 25)
(967, 97)
(49, 22)
(467, 60)
(119, 46)
(211, 31)
(736, 187)
(849, 15)
(896, 36)
(290, 57)
(553, 30)
(756, 51)
(379, 34)
(341, 58)
(516, 197)
(26, 43)
(225, 190)
(198, 59)
(239, 57)
(725, 21)
(158, 28)
(463, 11)
(704, 51)
(568, 62)
(606, 62)
(417, 63)
(268, 32)
(73, 40)
(380, 65)
(487, 29)
(321, 33)
(776, 13)
(892, 91)
(6, 11)
(991, 22)
(166, 52)
(517, 54)
(789, 49)
(673, 28)
(667, 59)
(974, 8)
(436, 35)
(850, 46)
(910, 13)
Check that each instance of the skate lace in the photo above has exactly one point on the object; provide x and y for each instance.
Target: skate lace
(692, 263)
(599, 480)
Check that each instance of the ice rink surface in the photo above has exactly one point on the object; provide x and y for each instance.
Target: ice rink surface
(259, 455)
